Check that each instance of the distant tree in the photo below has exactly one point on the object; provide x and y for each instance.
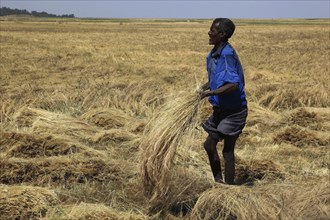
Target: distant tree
(68, 16)
(4, 11)
(7, 11)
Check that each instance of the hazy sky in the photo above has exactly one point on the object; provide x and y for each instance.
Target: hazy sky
(179, 9)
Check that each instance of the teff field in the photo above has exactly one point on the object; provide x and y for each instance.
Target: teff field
(79, 97)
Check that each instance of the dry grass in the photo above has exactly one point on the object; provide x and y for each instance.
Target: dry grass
(85, 107)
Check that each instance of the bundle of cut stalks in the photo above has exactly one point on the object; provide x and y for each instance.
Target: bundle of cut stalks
(163, 134)
(275, 201)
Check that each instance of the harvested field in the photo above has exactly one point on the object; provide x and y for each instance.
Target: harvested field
(101, 120)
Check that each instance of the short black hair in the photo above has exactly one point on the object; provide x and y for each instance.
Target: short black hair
(225, 25)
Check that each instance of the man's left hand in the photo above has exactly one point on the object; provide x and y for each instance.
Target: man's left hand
(204, 94)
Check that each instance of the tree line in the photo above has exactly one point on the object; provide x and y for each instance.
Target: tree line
(4, 11)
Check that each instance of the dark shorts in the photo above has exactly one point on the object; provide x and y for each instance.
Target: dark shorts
(225, 122)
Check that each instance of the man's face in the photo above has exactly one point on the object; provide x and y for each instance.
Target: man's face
(215, 37)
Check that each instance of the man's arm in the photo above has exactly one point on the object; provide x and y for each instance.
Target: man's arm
(225, 89)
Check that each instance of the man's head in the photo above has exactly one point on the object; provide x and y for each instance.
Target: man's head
(220, 31)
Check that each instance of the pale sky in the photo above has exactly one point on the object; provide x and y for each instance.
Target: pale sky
(178, 9)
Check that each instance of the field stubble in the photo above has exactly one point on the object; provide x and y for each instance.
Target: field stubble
(76, 99)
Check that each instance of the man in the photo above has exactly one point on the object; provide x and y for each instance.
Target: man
(225, 89)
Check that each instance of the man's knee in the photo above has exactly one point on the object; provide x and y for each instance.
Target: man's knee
(228, 149)
(207, 145)
(229, 144)
(228, 156)
(210, 144)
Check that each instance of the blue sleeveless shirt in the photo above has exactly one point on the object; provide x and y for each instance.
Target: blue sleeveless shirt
(224, 66)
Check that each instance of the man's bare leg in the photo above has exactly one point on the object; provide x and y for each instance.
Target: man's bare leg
(210, 146)
(228, 155)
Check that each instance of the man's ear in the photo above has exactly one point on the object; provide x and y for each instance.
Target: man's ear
(222, 34)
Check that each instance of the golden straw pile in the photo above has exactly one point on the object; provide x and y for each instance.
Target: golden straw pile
(274, 201)
(25, 202)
